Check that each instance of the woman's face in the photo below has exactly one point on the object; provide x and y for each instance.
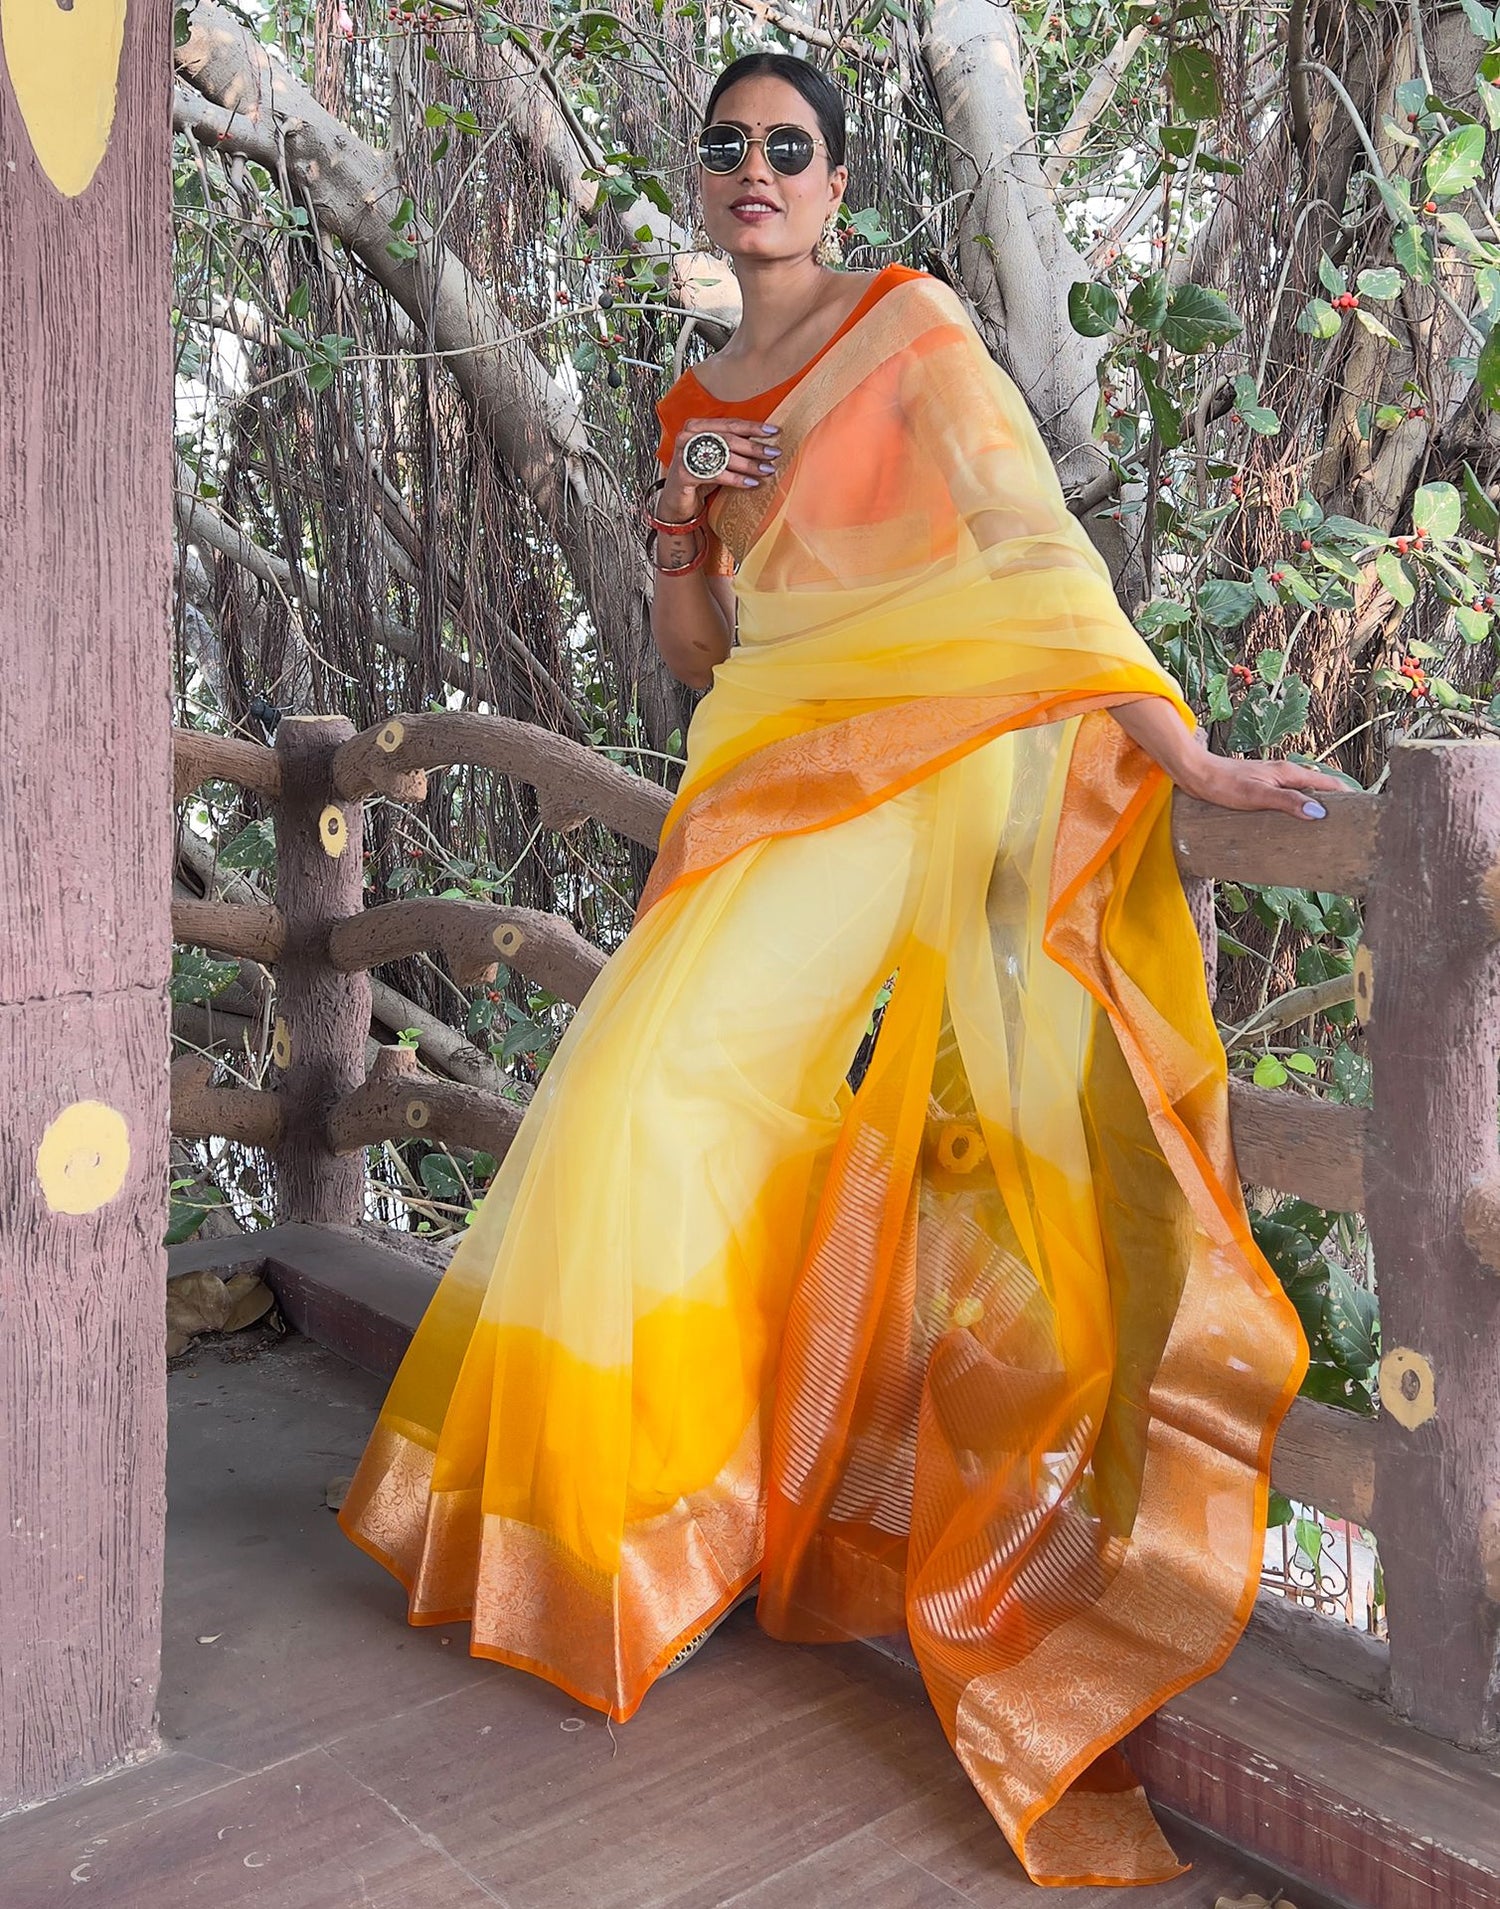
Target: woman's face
(754, 212)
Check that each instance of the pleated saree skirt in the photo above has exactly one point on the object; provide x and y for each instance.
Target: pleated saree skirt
(981, 1350)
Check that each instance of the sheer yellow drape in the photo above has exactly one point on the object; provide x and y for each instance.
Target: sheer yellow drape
(984, 1350)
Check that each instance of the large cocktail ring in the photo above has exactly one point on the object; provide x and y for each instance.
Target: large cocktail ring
(705, 454)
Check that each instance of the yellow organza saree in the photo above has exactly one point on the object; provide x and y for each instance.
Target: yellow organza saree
(983, 1350)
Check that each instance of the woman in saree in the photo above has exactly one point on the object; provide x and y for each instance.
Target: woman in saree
(981, 1350)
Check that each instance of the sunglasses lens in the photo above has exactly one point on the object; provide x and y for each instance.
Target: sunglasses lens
(721, 148)
(789, 150)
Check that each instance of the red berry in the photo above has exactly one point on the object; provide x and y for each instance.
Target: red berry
(1402, 545)
(1306, 544)
(1429, 205)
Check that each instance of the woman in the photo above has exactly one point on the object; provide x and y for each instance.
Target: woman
(983, 1350)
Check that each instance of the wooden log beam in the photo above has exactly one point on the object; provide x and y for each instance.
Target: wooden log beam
(473, 937)
(572, 783)
(227, 927)
(201, 1111)
(398, 1103)
(1264, 847)
(198, 757)
(1326, 1458)
(1434, 1045)
(323, 1016)
(1313, 1148)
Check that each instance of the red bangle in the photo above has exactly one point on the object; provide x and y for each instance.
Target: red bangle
(683, 569)
(665, 528)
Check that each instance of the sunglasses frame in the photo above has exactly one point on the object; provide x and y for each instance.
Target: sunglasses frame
(755, 139)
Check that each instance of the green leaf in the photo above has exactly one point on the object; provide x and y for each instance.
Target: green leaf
(1437, 509)
(1373, 325)
(1395, 196)
(1481, 19)
(1382, 281)
(253, 847)
(1269, 1072)
(1160, 614)
(437, 114)
(1193, 77)
(1329, 275)
(1318, 319)
(297, 304)
(1198, 319)
(1093, 309)
(1166, 419)
(1309, 1535)
(1224, 604)
(1411, 96)
(1455, 162)
(402, 216)
(1479, 508)
(1301, 1063)
(1147, 304)
(440, 1177)
(1351, 1076)
(1349, 1320)
(1487, 369)
(184, 1217)
(1475, 624)
(1413, 252)
(1249, 410)
(1289, 713)
(401, 249)
(1392, 573)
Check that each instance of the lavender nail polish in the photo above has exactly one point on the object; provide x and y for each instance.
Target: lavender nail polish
(1314, 809)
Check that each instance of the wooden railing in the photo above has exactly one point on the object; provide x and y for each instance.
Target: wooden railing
(1422, 1162)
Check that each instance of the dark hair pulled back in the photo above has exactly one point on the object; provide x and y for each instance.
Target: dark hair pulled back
(815, 87)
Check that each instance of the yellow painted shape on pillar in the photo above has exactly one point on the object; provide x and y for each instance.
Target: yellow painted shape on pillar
(1407, 1389)
(83, 1158)
(281, 1044)
(64, 66)
(334, 830)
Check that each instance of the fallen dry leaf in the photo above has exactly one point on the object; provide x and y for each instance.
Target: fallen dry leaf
(250, 1298)
(1252, 1901)
(197, 1302)
(335, 1492)
(178, 1342)
(213, 1639)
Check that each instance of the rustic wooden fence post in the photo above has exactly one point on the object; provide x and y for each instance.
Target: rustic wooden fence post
(322, 1015)
(1434, 1043)
(85, 840)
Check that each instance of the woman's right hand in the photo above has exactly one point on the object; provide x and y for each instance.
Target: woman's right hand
(752, 458)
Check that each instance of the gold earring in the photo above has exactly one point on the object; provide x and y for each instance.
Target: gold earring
(829, 251)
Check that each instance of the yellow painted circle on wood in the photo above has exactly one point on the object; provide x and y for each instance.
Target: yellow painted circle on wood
(281, 1044)
(64, 65)
(334, 830)
(1407, 1390)
(1364, 984)
(83, 1158)
(507, 938)
(391, 738)
(417, 1114)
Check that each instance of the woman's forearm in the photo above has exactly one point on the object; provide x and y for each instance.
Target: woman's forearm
(1156, 725)
(690, 629)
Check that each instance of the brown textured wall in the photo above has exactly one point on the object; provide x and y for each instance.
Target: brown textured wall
(85, 821)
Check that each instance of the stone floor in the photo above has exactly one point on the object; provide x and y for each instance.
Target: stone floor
(319, 1754)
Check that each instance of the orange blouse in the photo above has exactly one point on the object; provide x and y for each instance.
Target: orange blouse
(688, 398)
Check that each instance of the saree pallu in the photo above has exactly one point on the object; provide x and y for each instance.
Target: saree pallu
(982, 1350)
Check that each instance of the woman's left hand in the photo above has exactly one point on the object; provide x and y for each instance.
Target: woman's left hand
(1237, 782)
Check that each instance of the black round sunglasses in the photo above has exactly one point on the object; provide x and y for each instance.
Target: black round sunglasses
(788, 149)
